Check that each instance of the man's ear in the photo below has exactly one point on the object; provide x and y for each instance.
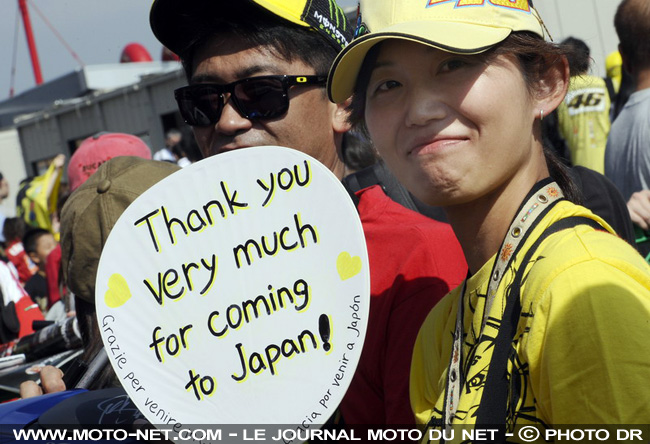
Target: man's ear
(340, 123)
(552, 87)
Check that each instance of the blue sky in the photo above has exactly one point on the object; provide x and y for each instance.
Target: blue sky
(97, 31)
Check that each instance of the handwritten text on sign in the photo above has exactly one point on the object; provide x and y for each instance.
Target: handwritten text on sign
(236, 290)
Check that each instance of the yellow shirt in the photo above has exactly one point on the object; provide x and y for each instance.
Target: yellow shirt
(583, 119)
(36, 206)
(582, 354)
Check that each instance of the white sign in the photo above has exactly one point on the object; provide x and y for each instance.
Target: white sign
(236, 291)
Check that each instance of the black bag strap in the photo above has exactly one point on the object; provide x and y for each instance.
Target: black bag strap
(351, 192)
(492, 411)
(379, 174)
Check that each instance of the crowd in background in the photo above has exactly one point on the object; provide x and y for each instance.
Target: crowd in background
(29, 242)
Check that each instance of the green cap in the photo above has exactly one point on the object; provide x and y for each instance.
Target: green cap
(90, 213)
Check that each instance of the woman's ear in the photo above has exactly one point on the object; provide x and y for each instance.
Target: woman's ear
(552, 86)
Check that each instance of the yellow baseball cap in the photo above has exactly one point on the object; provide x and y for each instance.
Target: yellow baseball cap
(456, 26)
(177, 23)
(614, 65)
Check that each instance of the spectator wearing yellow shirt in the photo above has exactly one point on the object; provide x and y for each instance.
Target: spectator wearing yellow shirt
(583, 116)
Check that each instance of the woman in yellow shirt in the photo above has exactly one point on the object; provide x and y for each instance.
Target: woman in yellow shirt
(551, 326)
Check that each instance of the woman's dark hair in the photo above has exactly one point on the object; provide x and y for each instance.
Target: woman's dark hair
(357, 152)
(535, 56)
(578, 55)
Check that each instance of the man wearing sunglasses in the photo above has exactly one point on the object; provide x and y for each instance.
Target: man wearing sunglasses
(256, 71)
(252, 79)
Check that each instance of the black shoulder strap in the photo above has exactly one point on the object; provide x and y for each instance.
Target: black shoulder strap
(351, 192)
(379, 174)
(363, 178)
(493, 408)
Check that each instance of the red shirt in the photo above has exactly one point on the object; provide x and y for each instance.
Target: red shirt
(52, 271)
(414, 262)
(16, 254)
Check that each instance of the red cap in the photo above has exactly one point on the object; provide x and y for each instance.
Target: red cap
(99, 148)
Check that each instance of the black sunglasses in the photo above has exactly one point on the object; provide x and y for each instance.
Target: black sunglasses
(263, 97)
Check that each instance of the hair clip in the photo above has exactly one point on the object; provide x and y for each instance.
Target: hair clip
(539, 19)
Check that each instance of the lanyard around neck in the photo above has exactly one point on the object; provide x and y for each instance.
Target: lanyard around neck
(539, 201)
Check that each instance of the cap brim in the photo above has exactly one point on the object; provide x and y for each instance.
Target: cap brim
(167, 23)
(454, 37)
(176, 23)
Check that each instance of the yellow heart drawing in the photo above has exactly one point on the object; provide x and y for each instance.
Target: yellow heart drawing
(118, 291)
(348, 266)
